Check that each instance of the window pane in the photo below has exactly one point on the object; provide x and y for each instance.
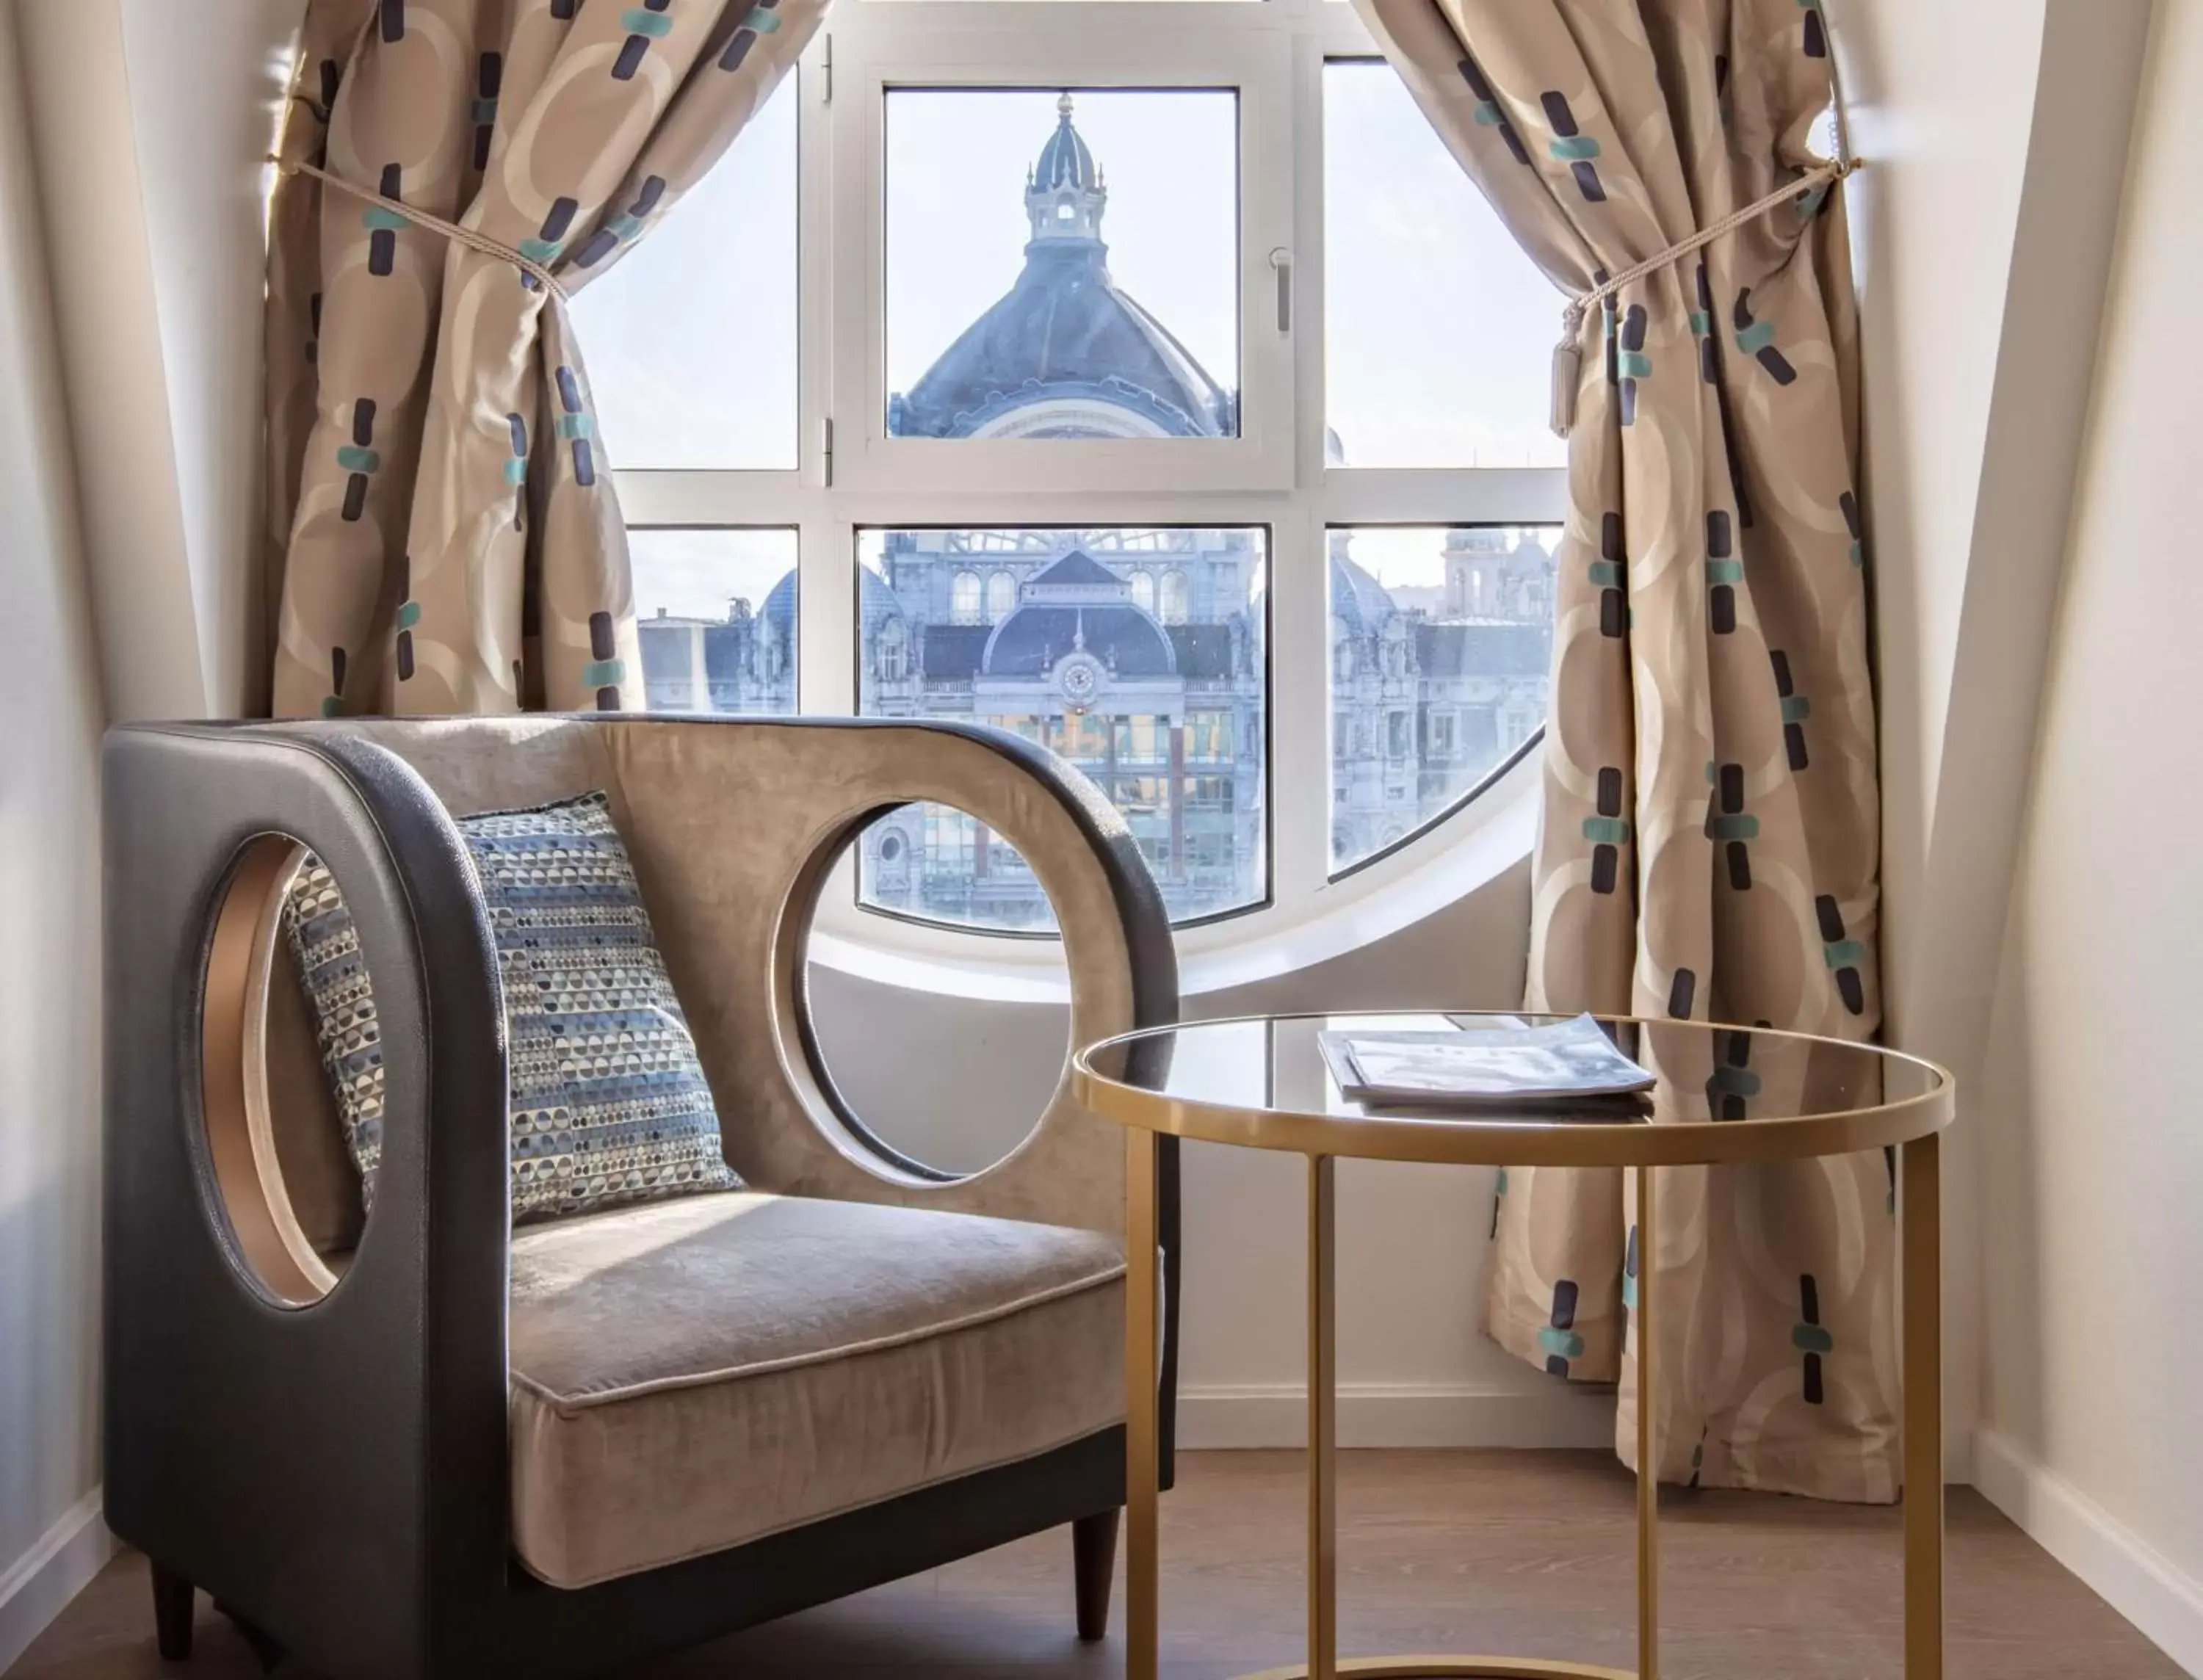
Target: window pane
(1441, 645)
(1166, 716)
(716, 612)
(690, 338)
(1004, 318)
(1438, 329)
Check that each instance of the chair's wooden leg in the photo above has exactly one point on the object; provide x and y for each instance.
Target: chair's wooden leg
(1093, 1560)
(173, 1601)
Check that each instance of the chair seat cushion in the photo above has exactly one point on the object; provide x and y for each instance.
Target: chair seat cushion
(690, 1375)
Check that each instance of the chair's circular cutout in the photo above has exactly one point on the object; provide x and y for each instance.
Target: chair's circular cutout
(937, 1085)
(288, 1188)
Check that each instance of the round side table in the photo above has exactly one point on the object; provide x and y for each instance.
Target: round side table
(1262, 1083)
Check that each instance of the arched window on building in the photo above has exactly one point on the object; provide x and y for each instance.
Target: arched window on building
(964, 598)
(894, 651)
(1143, 591)
(1001, 596)
(1175, 604)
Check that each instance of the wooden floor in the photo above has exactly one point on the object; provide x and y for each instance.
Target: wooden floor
(1520, 1554)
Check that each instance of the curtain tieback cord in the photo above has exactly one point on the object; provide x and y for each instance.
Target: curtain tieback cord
(1567, 355)
(436, 224)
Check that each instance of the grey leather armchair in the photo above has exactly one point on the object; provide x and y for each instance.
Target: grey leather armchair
(417, 1443)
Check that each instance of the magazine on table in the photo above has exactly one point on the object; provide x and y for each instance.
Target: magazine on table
(1489, 1062)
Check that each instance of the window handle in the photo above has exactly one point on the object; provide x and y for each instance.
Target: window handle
(1281, 261)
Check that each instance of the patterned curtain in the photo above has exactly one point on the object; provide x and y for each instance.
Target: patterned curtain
(444, 537)
(1709, 847)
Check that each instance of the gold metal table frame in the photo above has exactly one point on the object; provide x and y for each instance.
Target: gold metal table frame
(1911, 1125)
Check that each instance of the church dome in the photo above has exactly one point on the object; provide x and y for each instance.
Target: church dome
(1063, 352)
(779, 610)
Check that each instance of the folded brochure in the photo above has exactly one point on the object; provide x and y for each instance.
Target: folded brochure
(1484, 1065)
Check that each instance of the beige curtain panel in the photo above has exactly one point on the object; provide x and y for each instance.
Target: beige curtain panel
(1710, 841)
(444, 535)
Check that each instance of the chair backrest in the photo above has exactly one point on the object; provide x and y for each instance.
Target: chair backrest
(733, 826)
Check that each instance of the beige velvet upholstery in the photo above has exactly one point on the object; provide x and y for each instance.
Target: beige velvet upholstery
(727, 827)
(690, 1375)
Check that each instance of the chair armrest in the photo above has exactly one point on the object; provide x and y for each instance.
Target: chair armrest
(270, 1449)
(735, 826)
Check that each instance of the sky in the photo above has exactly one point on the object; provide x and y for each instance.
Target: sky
(691, 337)
(1412, 557)
(1438, 329)
(696, 574)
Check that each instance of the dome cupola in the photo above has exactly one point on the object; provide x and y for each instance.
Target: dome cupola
(1065, 195)
(1065, 353)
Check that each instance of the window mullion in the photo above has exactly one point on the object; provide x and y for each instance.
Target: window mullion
(1300, 771)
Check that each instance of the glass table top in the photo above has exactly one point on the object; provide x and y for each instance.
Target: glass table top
(1722, 1092)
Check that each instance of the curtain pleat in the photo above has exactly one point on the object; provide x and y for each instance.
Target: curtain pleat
(1709, 844)
(443, 534)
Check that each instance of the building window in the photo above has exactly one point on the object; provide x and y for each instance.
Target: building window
(892, 644)
(1174, 597)
(1021, 527)
(964, 598)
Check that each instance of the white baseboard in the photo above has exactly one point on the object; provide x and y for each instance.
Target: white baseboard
(2129, 1574)
(37, 1585)
(1394, 1414)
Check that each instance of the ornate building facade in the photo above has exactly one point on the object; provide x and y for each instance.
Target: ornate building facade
(1139, 654)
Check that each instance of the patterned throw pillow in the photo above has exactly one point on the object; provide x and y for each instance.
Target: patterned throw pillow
(325, 948)
(607, 1103)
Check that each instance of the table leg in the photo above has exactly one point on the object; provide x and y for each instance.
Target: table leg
(1921, 1236)
(1143, 1627)
(1648, 1447)
(1323, 1421)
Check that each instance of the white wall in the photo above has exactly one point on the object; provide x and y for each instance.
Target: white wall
(50, 1532)
(2095, 1171)
(1996, 141)
(151, 121)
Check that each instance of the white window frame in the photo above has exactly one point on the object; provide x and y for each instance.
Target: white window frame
(851, 476)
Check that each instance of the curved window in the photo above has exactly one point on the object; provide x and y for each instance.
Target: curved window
(1453, 627)
(1001, 596)
(964, 598)
(1144, 590)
